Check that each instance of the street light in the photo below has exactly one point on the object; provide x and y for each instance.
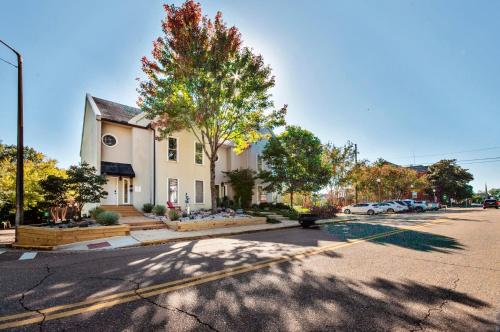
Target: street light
(434, 192)
(378, 183)
(20, 140)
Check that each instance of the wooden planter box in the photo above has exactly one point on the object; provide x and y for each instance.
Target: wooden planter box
(45, 237)
(196, 225)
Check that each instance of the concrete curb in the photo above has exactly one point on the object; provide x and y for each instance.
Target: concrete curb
(201, 237)
(181, 239)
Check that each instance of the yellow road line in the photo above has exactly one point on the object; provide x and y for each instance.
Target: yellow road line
(56, 312)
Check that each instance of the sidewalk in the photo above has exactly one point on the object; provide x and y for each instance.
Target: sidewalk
(158, 236)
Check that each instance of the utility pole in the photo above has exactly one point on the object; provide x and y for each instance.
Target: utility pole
(20, 141)
(355, 165)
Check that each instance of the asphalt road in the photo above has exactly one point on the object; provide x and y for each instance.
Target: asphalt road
(432, 271)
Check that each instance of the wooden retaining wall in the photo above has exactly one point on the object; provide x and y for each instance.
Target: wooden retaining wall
(184, 226)
(30, 236)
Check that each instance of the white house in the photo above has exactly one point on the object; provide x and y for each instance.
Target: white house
(119, 142)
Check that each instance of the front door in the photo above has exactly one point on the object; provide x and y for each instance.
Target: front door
(111, 187)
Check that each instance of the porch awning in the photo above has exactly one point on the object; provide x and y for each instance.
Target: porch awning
(117, 169)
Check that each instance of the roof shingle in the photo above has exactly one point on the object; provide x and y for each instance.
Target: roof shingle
(115, 111)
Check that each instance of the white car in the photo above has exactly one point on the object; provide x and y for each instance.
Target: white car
(394, 207)
(418, 206)
(386, 208)
(364, 208)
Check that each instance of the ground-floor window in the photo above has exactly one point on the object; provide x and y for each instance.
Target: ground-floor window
(262, 196)
(173, 191)
(198, 192)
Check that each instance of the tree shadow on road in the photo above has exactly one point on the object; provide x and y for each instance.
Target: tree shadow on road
(293, 297)
(410, 239)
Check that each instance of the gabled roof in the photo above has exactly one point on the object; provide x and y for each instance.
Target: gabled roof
(115, 111)
(419, 168)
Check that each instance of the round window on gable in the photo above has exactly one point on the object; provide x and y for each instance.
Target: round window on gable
(109, 140)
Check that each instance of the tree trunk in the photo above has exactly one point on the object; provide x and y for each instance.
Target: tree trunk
(64, 211)
(291, 199)
(213, 195)
(53, 213)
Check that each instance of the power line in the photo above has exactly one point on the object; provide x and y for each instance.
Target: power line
(469, 161)
(478, 159)
(413, 156)
(8, 62)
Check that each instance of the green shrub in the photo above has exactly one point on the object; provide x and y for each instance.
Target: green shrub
(108, 218)
(147, 208)
(264, 206)
(290, 214)
(281, 206)
(324, 212)
(242, 181)
(173, 215)
(273, 221)
(95, 212)
(159, 210)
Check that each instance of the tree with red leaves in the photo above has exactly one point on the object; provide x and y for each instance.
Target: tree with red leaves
(203, 80)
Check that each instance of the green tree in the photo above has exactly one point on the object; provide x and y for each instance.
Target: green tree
(395, 181)
(243, 182)
(202, 80)
(450, 179)
(295, 164)
(86, 185)
(56, 195)
(341, 160)
(495, 192)
(37, 167)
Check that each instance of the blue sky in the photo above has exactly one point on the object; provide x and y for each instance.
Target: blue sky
(399, 78)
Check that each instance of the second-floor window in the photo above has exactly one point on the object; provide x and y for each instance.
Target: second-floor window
(259, 163)
(198, 153)
(172, 149)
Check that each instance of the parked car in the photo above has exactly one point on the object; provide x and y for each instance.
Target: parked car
(396, 207)
(307, 220)
(490, 203)
(364, 208)
(433, 206)
(417, 206)
(404, 205)
(386, 207)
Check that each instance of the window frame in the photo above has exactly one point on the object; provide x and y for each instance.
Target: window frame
(202, 154)
(168, 190)
(109, 146)
(202, 191)
(176, 149)
(259, 157)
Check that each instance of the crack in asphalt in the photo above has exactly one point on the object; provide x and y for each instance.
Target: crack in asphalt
(170, 308)
(23, 295)
(438, 308)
